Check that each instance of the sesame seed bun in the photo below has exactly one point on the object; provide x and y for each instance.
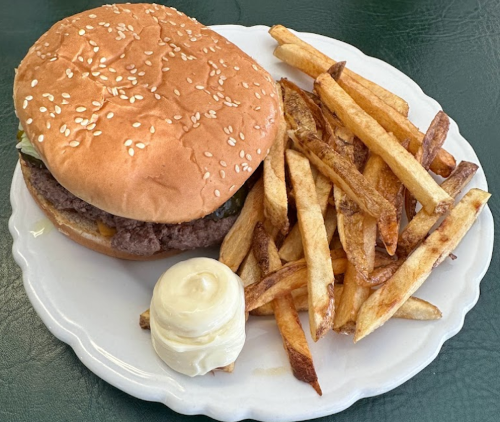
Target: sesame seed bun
(144, 113)
(82, 230)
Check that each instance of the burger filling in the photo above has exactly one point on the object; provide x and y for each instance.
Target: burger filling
(127, 235)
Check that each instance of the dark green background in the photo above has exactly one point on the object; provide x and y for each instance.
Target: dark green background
(450, 48)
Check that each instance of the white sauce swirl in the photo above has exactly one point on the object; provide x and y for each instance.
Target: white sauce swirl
(197, 316)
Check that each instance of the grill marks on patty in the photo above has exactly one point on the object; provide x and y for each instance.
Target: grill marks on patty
(133, 236)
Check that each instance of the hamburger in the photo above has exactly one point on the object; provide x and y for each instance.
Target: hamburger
(140, 128)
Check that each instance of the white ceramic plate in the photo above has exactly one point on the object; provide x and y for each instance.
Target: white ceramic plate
(93, 302)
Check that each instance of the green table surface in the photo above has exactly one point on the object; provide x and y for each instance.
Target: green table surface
(450, 48)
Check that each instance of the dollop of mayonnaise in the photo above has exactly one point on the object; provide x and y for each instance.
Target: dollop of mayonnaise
(197, 316)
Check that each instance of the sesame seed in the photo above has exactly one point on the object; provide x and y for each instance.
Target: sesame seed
(89, 27)
(91, 126)
(257, 127)
(208, 154)
(97, 133)
(189, 80)
(157, 96)
(242, 137)
(74, 144)
(96, 103)
(153, 89)
(65, 95)
(67, 132)
(259, 151)
(165, 69)
(140, 145)
(222, 173)
(242, 154)
(123, 97)
(85, 122)
(138, 97)
(257, 95)
(119, 78)
(81, 32)
(148, 53)
(132, 100)
(48, 125)
(227, 104)
(96, 73)
(232, 188)
(128, 142)
(217, 193)
(236, 68)
(177, 117)
(176, 92)
(52, 115)
(171, 54)
(255, 67)
(136, 124)
(168, 121)
(81, 109)
(92, 16)
(62, 128)
(43, 109)
(40, 138)
(193, 119)
(223, 163)
(131, 152)
(231, 142)
(248, 157)
(29, 121)
(206, 175)
(148, 63)
(96, 49)
(25, 104)
(245, 85)
(78, 120)
(249, 169)
(237, 168)
(34, 82)
(199, 87)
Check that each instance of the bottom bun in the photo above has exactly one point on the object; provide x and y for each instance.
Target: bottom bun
(82, 230)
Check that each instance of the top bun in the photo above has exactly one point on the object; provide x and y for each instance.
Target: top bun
(145, 113)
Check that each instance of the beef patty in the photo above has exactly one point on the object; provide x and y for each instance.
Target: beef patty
(133, 236)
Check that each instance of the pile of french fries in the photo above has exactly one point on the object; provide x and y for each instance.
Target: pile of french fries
(321, 230)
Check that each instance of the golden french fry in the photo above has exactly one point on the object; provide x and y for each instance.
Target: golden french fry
(330, 223)
(249, 270)
(316, 249)
(382, 304)
(284, 36)
(237, 242)
(419, 226)
(351, 181)
(418, 309)
(401, 162)
(292, 334)
(275, 198)
(353, 296)
(292, 249)
(291, 276)
(399, 125)
(380, 275)
(414, 308)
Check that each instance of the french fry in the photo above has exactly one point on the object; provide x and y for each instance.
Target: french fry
(291, 276)
(351, 181)
(292, 249)
(297, 113)
(419, 226)
(144, 320)
(353, 297)
(284, 36)
(399, 125)
(330, 223)
(237, 242)
(432, 143)
(418, 309)
(292, 334)
(382, 304)
(275, 198)
(249, 270)
(316, 250)
(380, 275)
(401, 162)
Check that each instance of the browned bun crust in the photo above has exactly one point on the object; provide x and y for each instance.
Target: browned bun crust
(144, 113)
(80, 229)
